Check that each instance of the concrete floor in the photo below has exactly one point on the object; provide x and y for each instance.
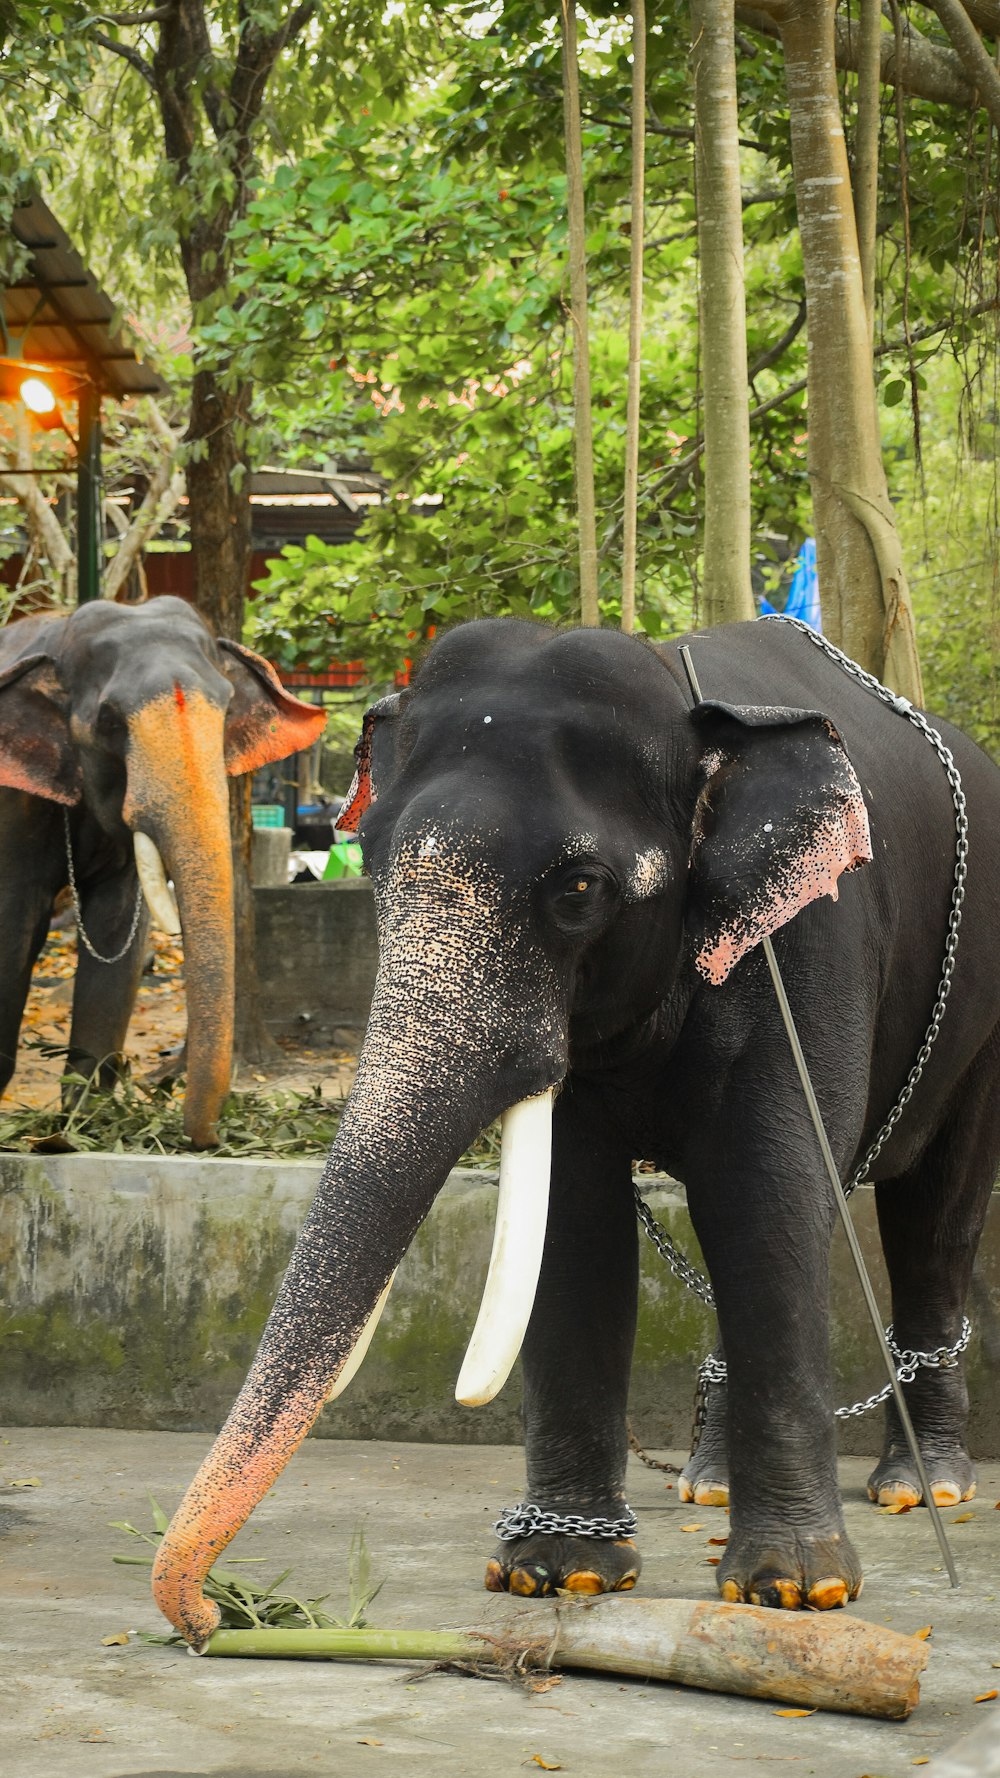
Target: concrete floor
(68, 1705)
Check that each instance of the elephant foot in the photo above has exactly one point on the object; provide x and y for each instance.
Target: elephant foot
(545, 1563)
(790, 1572)
(950, 1471)
(704, 1480)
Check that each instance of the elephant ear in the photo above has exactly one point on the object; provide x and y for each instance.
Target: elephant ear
(36, 748)
(372, 761)
(263, 722)
(779, 819)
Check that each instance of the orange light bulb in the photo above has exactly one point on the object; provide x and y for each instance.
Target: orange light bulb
(37, 396)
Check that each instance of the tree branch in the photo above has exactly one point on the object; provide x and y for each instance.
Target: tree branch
(153, 17)
(679, 469)
(925, 70)
(985, 14)
(130, 55)
(780, 346)
(973, 55)
(163, 496)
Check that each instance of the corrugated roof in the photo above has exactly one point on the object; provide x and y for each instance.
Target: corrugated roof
(63, 317)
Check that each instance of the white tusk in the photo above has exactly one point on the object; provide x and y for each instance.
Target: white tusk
(361, 1345)
(516, 1260)
(160, 898)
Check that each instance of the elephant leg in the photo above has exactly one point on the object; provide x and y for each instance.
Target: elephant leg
(930, 1222)
(104, 993)
(576, 1358)
(765, 1232)
(24, 924)
(705, 1476)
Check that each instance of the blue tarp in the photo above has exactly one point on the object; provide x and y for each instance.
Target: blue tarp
(803, 594)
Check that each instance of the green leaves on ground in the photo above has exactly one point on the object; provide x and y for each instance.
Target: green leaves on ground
(246, 1606)
(139, 1119)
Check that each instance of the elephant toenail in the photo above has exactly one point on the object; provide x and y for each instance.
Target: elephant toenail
(494, 1582)
(946, 1493)
(583, 1580)
(685, 1491)
(778, 1595)
(626, 1583)
(857, 1591)
(530, 1581)
(732, 1592)
(825, 1595)
(898, 1494)
(711, 1494)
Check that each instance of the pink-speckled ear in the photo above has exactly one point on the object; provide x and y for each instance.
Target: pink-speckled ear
(779, 819)
(370, 758)
(36, 749)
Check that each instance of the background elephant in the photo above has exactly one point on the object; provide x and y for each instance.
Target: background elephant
(128, 718)
(573, 870)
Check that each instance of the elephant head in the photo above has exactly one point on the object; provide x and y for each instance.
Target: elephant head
(557, 851)
(138, 714)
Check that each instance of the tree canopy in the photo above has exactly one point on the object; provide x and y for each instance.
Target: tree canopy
(389, 283)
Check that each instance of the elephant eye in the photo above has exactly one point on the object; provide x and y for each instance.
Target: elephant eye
(110, 721)
(582, 895)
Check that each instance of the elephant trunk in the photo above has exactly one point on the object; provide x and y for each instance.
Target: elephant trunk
(434, 1070)
(178, 796)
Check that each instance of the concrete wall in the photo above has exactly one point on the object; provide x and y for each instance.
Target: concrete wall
(134, 1292)
(317, 954)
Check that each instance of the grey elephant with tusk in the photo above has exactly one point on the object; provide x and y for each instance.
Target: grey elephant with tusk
(119, 726)
(573, 871)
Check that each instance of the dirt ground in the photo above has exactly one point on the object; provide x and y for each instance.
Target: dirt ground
(157, 1028)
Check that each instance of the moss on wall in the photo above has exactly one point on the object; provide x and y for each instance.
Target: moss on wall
(134, 1293)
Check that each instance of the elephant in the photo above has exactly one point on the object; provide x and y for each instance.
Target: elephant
(574, 867)
(118, 727)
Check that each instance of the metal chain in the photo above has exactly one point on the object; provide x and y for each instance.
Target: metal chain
(524, 1520)
(907, 1365)
(713, 1370)
(136, 917)
(903, 707)
(669, 1251)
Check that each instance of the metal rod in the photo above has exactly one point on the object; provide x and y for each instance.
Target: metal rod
(840, 1199)
(89, 517)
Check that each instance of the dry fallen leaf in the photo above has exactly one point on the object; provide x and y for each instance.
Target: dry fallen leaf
(370, 1741)
(963, 1518)
(700, 1527)
(922, 1635)
(713, 1561)
(546, 1764)
(897, 1507)
(31, 1481)
(793, 1712)
(716, 1540)
(986, 1697)
(922, 1761)
(118, 1640)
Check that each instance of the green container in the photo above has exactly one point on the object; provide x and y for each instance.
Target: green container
(267, 814)
(344, 861)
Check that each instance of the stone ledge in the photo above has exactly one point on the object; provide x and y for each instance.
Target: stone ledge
(135, 1289)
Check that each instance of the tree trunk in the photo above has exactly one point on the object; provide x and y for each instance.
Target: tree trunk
(863, 591)
(866, 151)
(637, 221)
(219, 520)
(728, 597)
(583, 440)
